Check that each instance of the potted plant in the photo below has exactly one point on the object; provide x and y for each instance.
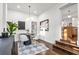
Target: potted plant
(11, 28)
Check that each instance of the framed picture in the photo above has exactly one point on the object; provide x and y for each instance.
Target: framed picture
(44, 25)
(21, 25)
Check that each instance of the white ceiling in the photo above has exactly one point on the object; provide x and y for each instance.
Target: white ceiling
(38, 7)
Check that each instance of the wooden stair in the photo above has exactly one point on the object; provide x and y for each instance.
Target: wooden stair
(65, 48)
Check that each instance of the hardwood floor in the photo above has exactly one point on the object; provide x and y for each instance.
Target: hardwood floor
(50, 51)
(66, 48)
(54, 49)
(60, 48)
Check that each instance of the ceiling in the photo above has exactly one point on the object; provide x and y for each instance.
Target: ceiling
(36, 8)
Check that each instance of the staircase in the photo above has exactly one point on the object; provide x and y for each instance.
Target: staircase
(65, 48)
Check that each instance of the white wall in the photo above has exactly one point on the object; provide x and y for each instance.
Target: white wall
(73, 13)
(1, 15)
(54, 32)
(16, 16)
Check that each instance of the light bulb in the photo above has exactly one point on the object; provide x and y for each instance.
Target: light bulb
(69, 16)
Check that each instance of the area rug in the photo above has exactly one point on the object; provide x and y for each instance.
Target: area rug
(32, 49)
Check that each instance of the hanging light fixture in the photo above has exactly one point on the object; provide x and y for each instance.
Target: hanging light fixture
(69, 16)
(29, 11)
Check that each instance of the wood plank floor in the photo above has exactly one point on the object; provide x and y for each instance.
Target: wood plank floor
(52, 49)
(48, 52)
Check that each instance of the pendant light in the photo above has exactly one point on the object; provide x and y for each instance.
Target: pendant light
(29, 11)
(69, 16)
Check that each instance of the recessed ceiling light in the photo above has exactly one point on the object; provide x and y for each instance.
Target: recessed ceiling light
(18, 6)
(69, 16)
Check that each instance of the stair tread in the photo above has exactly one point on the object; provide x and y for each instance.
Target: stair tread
(67, 43)
(67, 49)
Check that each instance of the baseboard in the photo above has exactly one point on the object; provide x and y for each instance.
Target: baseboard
(45, 41)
